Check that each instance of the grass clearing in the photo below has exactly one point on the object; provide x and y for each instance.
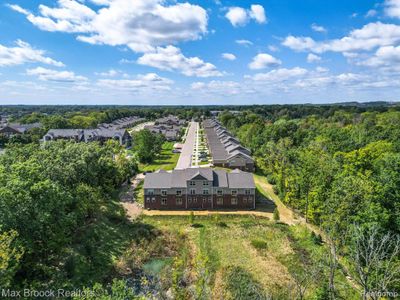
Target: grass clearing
(248, 258)
(166, 159)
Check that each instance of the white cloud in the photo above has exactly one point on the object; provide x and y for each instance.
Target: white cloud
(228, 56)
(392, 8)
(257, 12)
(218, 87)
(24, 53)
(371, 13)
(142, 82)
(53, 75)
(279, 74)
(367, 38)
(109, 73)
(171, 58)
(244, 42)
(126, 61)
(273, 48)
(318, 28)
(18, 8)
(264, 60)
(141, 24)
(312, 58)
(321, 69)
(239, 16)
(387, 58)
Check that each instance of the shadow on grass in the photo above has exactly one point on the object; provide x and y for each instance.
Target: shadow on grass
(102, 241)
(263, 203)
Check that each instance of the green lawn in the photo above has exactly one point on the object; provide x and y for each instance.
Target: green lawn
(166, 160)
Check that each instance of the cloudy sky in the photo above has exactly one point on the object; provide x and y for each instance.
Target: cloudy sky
(198, 52)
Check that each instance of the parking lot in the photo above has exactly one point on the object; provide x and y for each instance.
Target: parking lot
(185, 159)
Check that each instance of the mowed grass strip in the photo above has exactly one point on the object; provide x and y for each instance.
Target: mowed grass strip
(166, 159)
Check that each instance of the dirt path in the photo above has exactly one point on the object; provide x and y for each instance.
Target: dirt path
(206, 213)
(127, 198)
(286, 215)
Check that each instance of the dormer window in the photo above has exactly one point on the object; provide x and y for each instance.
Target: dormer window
(192, 183)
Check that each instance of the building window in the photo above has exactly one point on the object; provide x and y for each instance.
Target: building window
(150, 192)
(163, 201)
(209, 199)
(178, 201)
(234, 201)
(204, 199)
(220, 201)
(147, 199)
(247, 192)
(190, 199)
(178, 192)
(205, 191)
(234, 192)
(219, 192)
(192, 191)
(153, 199)
(164, 192)
(194, 199)
(192, 183)
(244, 199)
(205, 182)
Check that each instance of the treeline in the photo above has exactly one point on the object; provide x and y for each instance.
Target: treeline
(52, 199)
(342, 173)
(344, 168)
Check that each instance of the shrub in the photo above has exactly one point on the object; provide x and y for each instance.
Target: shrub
(222, 224)
(275, 189)
(240, 284)
(259, 244)
(316, 238)
(191, 218)
(276, 214)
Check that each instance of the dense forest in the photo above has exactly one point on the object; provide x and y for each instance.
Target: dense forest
(54, 211)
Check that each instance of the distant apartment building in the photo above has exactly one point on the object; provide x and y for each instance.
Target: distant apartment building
(171, 127)
(199, 188)
(89, 135)
(225, 150)
(122, 123)
(16, 128)
(115, 130)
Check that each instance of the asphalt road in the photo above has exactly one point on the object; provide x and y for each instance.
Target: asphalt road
(185, 159)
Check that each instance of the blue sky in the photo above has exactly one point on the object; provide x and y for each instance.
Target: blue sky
(199, 52)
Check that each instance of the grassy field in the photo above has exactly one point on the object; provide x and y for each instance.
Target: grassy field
(166, 160)
(226, 257)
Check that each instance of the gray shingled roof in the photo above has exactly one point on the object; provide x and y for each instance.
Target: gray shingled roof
(240, 180)
(179, 178)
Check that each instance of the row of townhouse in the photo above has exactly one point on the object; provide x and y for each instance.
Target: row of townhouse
(89, 135)
(122, 123)
(171, 127)
(104, 132)
(226, 151)
(9, 129)
(199, 188)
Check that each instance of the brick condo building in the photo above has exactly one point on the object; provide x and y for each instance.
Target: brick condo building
(199, 188)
